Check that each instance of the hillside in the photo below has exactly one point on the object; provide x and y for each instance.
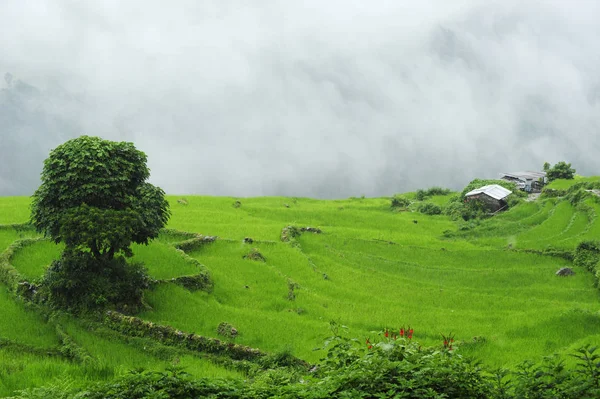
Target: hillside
(369, 268)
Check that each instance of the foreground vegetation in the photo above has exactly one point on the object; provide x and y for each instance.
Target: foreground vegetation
(490, 283)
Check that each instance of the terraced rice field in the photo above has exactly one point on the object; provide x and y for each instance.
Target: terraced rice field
(371, 268)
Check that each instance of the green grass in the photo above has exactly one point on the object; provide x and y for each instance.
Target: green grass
(21, 325)
(120, 357)
(32, 260)
(108, 357)
(163, 261)
(433, 284)
(19, 371)
(557, 223)
(564, 184)
(14, 210)
(441, 200)
(539, 225)
(371, 268)
(7, 237)
(503, 229)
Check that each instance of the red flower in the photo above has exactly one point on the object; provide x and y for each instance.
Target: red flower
(445, 343)
(410, 333)
(370, 347)
(402, 332)
(386, 334)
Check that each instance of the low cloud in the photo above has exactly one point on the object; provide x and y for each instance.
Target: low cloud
(321, 99)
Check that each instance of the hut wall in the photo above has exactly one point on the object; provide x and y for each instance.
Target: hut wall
(491, 204)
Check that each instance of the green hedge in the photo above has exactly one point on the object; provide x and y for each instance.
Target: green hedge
(290, 233)
(194, 243)
(587, 255)
(168, 335)
(18, 227)
(70, 349)
(195, 282)
(8, 274)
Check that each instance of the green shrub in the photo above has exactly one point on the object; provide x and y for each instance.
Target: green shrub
(254, 254)
(587, 255)
(513, 200)
(197, 282)
(577, 197)
(79, 282)
(454, 210)
(393, 367)
(292, 286)
(59, 390)
(401, 366)
(435, 190)
(194, 243)
(226, 330)
(289, 233)
(175, 236)
(173, 383)
(399, 201)
(429, 208)
(553, 193)
(420, 195)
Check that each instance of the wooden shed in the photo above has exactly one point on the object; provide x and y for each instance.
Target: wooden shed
(493, 196)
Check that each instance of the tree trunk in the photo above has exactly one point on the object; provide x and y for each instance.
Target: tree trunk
(95, 251)
(111, 253)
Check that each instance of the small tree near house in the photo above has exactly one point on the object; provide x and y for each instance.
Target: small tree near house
(560, 170)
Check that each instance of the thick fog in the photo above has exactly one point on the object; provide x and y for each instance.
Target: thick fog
(306, 98)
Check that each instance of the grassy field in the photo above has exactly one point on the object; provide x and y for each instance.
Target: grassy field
(563, 184)
(371, 268)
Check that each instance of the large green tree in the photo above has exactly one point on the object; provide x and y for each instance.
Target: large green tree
(94, 197)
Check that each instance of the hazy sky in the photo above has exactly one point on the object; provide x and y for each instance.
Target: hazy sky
(326, 98)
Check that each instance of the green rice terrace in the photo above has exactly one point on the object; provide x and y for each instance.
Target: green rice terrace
(275, 275)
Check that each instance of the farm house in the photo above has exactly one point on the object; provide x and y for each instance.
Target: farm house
(532, 182)
(493, 196)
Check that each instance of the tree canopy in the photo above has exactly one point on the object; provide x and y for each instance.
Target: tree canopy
(560, 170)
(94, 197)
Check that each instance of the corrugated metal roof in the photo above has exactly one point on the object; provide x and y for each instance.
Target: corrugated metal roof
(493, 190)
(525, 175)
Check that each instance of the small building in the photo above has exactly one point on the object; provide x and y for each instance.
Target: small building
(493, 196)
(532, 182)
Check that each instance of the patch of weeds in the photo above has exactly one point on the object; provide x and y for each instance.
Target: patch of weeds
(226, 330)
(255, 255)
(292, 286)
(400, 202)
(289, 232)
